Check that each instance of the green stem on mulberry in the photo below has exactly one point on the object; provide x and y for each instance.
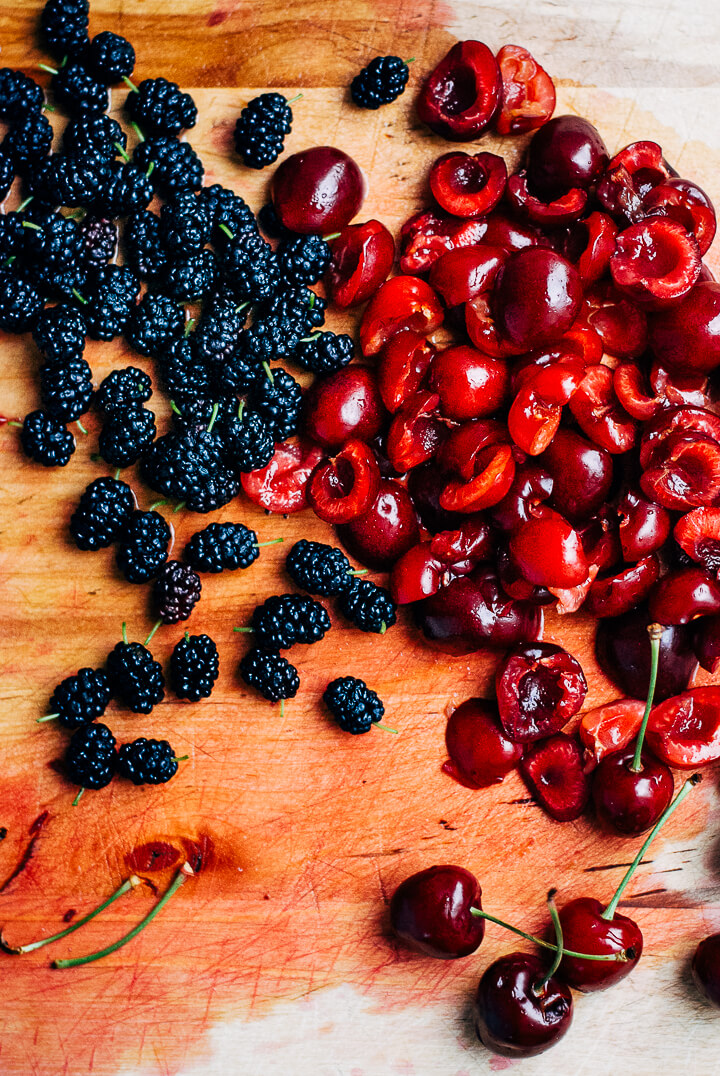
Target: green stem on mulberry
(242, 306)
(228, 232)
(80, 298)
(294, 99)
(182, 875)
(383, 628)
(117, 473)
(309, 339)
(50, 70)
(136, 129)
(124, 633)
(188, 329)
(78, 797)
(150, 169)
(358, 571)
(80, 426)
(213, 416)
(25, 203)
(385, 728)
(269, 373)
(47, 108)
(33, 226)
(156, 504)
(333, 235)
(126, 886)
(129, 83)
(273, 541)
(179, 507)
(180, 758)
(655, 632)
(8, 261)
(155, 627)
(122, 151)
(12, 422)
(686, 789)
(174, 408)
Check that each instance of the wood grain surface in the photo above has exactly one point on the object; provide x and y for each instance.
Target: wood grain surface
(276, 958)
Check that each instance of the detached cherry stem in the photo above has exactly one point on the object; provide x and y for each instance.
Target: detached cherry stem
(684, 791)
(126, 886)
(655, 632)
(613, 957)
(182, 875)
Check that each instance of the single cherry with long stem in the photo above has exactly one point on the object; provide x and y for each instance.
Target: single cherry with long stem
(592, 928)
(632, 788)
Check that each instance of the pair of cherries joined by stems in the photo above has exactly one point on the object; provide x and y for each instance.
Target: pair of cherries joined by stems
(522, 1007)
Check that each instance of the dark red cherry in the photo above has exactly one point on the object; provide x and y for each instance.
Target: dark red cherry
(706, 642)
(474, 613)
(470, 384)
(512, 1017)
(630, 802)
(318, 190)
(536, 297)
(567, 152)
(539, 687)
(480, 753)
(644, 525)
(582, 474)
(385, 531)
(686, 336)
(463, 93)
(706, 968)
(623, 651)
(342, 488)
(684, 594)
(655, 262)
(549, 551)
(426, 484)
(531, 486)
(430, 911)
(344, 406)
(586, 931)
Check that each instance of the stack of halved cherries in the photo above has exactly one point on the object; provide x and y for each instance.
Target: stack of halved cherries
(563, 451)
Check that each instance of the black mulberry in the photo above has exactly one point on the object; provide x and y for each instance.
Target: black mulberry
(143, 546)
(353, 705)
(102, 513)
(194, 667)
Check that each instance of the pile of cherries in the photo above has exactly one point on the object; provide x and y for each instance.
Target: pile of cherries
(563, 450)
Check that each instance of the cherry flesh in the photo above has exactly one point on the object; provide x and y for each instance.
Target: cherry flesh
(586, 931)
(480, 753)
(318, 190)
(344, 406)
(698, 535)
(385, 530)
(528, 96)
(685, 731)
(539, 687)
(512, 1017)
(468, 186)
(281, 486)
(342, 488)
(554, 771)
(462, 95)
(362, 257)
(430, 911)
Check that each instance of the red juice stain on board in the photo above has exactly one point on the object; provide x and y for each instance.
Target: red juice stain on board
(69, 915)
(34, 832)
(199, 851)
(152, 856)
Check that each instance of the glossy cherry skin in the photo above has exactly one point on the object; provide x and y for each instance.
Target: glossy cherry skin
(362, 257)
(510, 1018)
(686, 336)
(462, 274)
(567, 152)
(470, 384)
(344, 406)
(582, 474)
(463, 93)
(474, 613)
(554, 771)
(706, 968)
(585, 931)
(536, 297)
(655, 262)
(612, 595)
(628, 802)
(684, 594)
(468, 186)
(549, 551)
(430, 912)
(426, 484)
(610, 728)
(531, 486)
(623, 651)
(385, 531)
(644, 525)
(344, 487)
(539, 687)
(480, 753)
(318, 190)
(528, 98)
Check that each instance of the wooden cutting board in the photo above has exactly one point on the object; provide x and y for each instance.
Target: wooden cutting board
(276, 957)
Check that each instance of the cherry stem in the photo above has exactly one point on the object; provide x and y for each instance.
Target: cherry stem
(185, 872)
(294, 99)
(132, 85)
(480, 914)
(655, 633)
(155, 627)
(127, 885)
(213, 416)
(273, 541)
(385, 728)
(333, 235)
(539, 988)
(684, 791)
(78, 797)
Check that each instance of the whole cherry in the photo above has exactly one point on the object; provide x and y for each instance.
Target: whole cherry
(631, 788)
(480, 753)
(706, 968)
(318, 190)
(430, 911)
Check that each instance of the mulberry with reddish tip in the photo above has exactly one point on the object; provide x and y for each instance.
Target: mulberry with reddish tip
(176, 592)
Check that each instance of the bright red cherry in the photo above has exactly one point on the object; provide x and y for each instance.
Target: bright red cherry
(528, 98)
(344, 406)
(515, 1016)
(587, 931)
(480, 753)
(362, 257)
(470, 384)
(430, 911)
(549, 552)
(463, 93)
(318, 190)
(539, 687)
